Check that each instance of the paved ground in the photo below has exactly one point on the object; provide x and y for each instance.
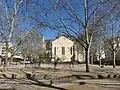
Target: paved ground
(63, 78)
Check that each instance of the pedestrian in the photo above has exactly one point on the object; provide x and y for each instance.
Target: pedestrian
(39, 62)
(72, 61)
(55, 62)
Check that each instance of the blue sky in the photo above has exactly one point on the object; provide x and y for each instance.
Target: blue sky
(54, 20)
(49, 15)
(49, 34)
(45, 13)
(44, 16)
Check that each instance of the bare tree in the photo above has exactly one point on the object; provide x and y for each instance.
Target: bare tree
(75, 22)
(32, 45)
(13, 26)
(9, 16)
(112, 42)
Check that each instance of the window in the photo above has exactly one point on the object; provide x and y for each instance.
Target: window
(3, 53)
(3, 48)
(63, 50)
(54, 50)
(71, 50)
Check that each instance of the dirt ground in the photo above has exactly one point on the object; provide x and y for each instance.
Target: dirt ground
(82, 87)
(63, 78)
(87, 87)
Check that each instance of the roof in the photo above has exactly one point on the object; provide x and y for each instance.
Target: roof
(48, 43)
(63, 36)
(17, 57)
(48, 40)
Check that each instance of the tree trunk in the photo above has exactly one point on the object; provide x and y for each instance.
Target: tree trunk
(39, 63)
(91, 57)
(114, 64)
(6, 58)
(5, 64)
(87, 59)
(11, 59)
(99, 61)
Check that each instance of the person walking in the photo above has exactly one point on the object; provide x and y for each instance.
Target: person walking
(55, 62)
(72, 61)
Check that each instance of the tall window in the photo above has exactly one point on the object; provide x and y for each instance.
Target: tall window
(63, 50)
(54, 50)
(71, 50)
(3, 50)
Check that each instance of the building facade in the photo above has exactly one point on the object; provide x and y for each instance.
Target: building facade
(63, 49)
(60, 48)
(17, 57)
(3, 49)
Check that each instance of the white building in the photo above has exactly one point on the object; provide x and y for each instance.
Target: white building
(62, 48)
(3, 52)
(3, 49)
